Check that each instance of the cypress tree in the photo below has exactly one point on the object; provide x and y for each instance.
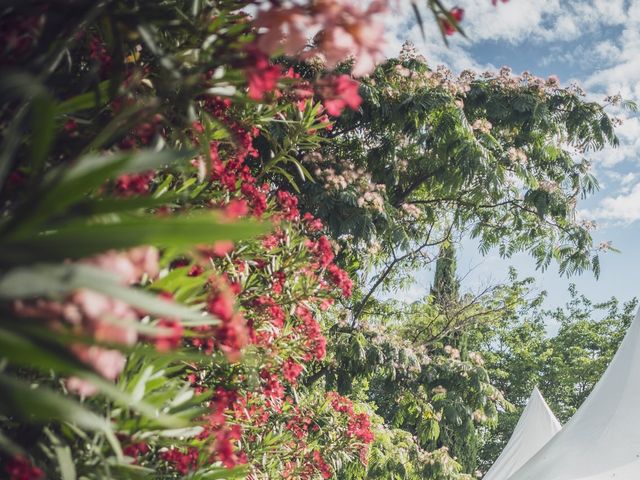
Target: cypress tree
(446, 286)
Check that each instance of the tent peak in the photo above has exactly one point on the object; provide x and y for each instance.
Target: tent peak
(536, 426)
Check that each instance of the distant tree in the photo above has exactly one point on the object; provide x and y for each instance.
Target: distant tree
(446, 285)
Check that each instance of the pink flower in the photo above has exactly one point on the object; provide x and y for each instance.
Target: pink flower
(98, 52)
(105, 317)
(171, 339)
(312, 224)
(197, 126)
(279, 279)
(134, 184)
(221, 248)
(321, 250)
(289, 204)
(341, 279)
(71, 127)
(236, 208)
(349, 30)
(221, 305)
(182, 462)
(321, 465)
(19, 468)
(261, 75)
(338, 92)
(291, 371)
(287, 30)
(272, 388)
(275, 312)
(360, 427)
(108, 363)
(345, 30)
(225, 438)
(457, 14)
(145, 259)
(134, 450)
(195, 271)
(130, 265)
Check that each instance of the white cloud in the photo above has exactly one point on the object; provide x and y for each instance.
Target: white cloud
(518, 22)
(624, 75)
(629, 148)
(627, 180)
(624, 208)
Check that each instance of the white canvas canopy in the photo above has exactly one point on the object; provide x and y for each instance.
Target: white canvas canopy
(536, 426)
(602, 440)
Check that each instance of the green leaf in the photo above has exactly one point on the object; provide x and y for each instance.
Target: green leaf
(63, 456)
(86, 100)
(45, 353)
(77, 241)
(40, 352)
(419, 20)
(120, 124)
(65, 185)
(220, 473)
(121, 205)
(42, 130)
(41, 405)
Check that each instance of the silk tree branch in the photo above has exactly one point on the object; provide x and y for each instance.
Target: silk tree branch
(393, 264)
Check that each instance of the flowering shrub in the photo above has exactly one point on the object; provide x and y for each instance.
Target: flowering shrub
(167, 285)
(210, 329)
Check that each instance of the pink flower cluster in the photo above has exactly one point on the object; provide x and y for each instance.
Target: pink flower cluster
(447, 27)
(223, 435)
(19, 34)
(338, 92)
(344, 29)
(19, 468)
(104, 318)
(358, 425)
(228, 163)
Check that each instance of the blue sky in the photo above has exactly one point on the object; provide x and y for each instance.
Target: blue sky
(595, 43)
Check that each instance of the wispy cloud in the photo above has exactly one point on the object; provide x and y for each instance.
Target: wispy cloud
(623, 208)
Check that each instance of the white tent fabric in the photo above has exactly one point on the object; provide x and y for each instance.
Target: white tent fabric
(536, 426)
(602, 440)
